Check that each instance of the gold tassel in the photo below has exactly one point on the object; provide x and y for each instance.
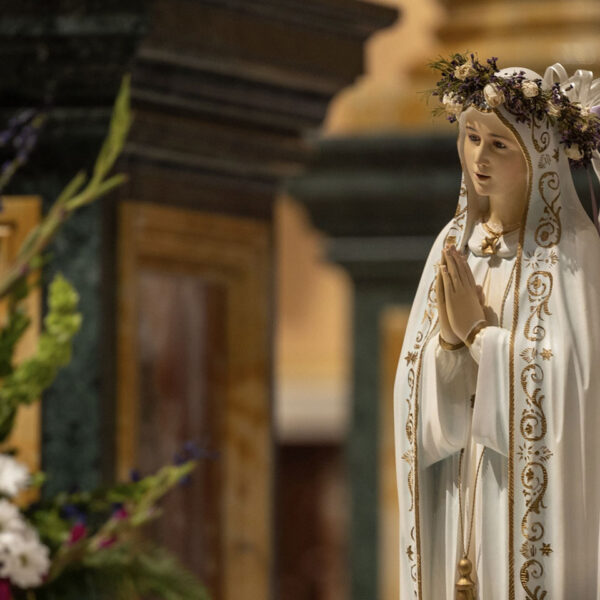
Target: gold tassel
(465, 587)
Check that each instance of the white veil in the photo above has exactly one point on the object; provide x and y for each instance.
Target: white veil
(554, 374)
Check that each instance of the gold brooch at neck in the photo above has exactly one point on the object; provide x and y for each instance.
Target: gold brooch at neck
(491, 242)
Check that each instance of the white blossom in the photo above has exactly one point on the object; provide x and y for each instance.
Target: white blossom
(463, 71)
(447, 98)
(574, 152)
(493, 95)
(24, 559)
(455, 108)
(530, 89)
(14, 476)
(11, 519)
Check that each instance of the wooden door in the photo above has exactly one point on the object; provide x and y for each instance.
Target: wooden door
(193, 364)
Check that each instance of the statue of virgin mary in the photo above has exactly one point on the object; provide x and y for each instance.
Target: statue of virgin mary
(497, 391)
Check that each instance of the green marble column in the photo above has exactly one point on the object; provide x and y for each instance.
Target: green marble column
(74, 53)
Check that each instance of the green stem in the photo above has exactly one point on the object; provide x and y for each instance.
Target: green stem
(71, 198)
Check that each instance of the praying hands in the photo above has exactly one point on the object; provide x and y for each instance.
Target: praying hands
(460, 300)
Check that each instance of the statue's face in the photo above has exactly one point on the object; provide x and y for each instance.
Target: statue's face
(493, 157)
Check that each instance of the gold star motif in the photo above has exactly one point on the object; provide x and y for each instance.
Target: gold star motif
(546, 549)
(546, 354)
(409, 552)
(555, 154)
(410, 358)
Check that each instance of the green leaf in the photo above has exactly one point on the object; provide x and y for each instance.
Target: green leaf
(11, 333)
(25, 383)
(125, 572)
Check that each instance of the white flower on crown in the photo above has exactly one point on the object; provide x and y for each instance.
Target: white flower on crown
(574, 152)
(23, 558)
(14, 476)
(585, 114)
(530, 89)
(493, 95)
(584, 111)
(452, 104)
(447, 98)
(463, 71)
(552, 109)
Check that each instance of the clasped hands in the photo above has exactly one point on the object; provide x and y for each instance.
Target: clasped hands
(460, 299)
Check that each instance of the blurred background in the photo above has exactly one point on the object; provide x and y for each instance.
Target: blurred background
(249, 287)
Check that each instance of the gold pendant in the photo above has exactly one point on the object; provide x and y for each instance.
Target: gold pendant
(465, 586)
(490, 245)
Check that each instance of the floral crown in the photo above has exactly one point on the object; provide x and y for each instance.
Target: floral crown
(467, 82)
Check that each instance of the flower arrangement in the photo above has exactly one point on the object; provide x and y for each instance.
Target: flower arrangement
(465, 81)
(83, 544)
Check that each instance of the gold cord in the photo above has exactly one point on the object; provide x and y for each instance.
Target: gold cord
(460, 502)
(508, 286)
(508, 229)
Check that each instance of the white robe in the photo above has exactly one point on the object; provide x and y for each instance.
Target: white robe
(450, 423)
(537, 405)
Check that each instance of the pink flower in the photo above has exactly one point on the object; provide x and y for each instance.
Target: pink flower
(107, 542)
(120, 514)
(5, 593)
(78, 531)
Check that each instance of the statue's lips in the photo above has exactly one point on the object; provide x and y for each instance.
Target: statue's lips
(481, 177)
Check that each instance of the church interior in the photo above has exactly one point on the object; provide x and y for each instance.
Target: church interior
(246, 288)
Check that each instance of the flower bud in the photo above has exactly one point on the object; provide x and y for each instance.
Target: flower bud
(530, 89)
(493, 95)
(464, 71)
(553, 110)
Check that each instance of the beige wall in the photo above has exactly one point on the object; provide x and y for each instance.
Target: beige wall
(391, 53)
(379, 100)
(313, 343)
(313, 329)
